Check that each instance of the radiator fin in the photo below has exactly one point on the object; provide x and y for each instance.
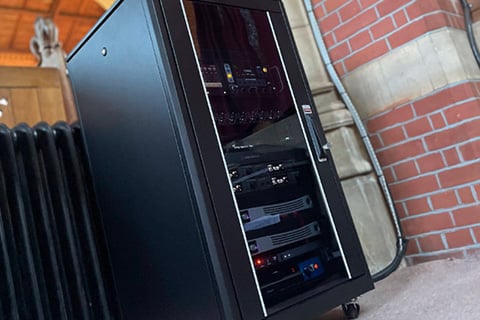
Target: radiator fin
(53, 261)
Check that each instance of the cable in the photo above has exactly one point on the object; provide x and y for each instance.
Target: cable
(401, 240)
(467, 14)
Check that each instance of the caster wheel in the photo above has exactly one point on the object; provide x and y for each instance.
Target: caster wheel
(351, 310)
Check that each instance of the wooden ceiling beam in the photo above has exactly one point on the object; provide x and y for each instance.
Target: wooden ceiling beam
(54, 9)
(47, 13)
(15, 29)
(21, 10)
(77, 16)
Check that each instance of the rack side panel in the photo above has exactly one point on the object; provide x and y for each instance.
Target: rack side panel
(160, 267)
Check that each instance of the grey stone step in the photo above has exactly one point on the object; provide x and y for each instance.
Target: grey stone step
(334, 119)
(373, 224)
(349, 154)
(332, 106)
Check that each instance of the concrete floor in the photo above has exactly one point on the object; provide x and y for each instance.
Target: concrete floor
(439, 290)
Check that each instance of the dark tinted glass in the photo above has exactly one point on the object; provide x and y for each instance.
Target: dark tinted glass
(281, 208)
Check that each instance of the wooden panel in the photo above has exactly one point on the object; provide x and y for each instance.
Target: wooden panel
(43, 5)
(8, 23)
(12, 3)
(81, 28)
(35, 95)
(91, 8)
(24, 32)
(71, 6)
(18, 77)
(7, 116)
(65, 28)
(17, 59)
(51, 105)
(25, 106)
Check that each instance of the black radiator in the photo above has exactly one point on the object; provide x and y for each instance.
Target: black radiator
(53, 261)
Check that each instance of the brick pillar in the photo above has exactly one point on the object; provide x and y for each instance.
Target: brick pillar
(410, 71)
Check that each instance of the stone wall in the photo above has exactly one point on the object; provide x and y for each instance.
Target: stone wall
(409, 69)
(364, 196)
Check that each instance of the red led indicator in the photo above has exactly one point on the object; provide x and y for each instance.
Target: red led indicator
(258, 262)
(315, 266)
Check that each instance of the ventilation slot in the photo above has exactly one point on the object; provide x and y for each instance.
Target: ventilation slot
(296, 235)
(290, 206)
(267, 243)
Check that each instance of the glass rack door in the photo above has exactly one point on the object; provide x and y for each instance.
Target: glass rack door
(283, 211)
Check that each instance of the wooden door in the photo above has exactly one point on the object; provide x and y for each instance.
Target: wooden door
(30, 95)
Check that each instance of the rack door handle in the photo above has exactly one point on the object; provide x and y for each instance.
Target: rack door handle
(317, 146)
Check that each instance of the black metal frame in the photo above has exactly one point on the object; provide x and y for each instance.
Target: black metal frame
(136, 72)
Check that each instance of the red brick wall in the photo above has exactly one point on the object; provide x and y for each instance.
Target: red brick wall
(429, 147)
(430, 152)
(475, 9)
(358, 31)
